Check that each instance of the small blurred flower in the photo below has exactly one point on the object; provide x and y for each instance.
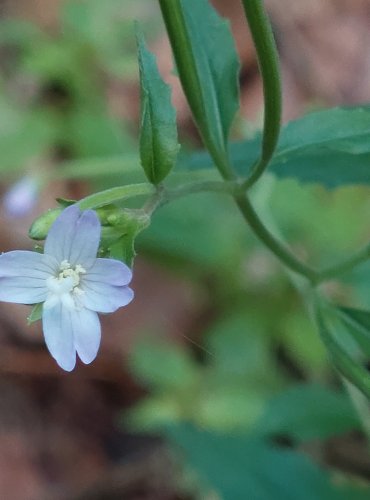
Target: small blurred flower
(72, 284)
(22, 196)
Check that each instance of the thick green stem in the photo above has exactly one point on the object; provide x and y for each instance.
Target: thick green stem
(264, 235)
(268, 61)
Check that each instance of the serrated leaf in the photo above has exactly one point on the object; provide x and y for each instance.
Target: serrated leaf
(208, 67)
(158, 130)
(330, 147)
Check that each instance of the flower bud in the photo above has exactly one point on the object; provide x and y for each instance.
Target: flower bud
(40, 226)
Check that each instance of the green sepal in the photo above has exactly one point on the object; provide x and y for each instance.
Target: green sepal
(35, 314)
(132, 223)
(158, 130)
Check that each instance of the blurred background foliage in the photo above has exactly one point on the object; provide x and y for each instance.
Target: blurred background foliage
(244, 385)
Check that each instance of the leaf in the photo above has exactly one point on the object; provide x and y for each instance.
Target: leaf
(158, 130)
(163, 366)
(208, 67)
(308, 411)
(330, 147)
(24, 136)
(358, 322)
(36, 313)
(192, 239)
(241, 467)
(341, 352)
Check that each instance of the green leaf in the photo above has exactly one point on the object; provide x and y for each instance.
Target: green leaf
(163, 366)
(241, 467)
(341, 352)
(308, 411)
(158, 130)
(24, 136)
(192, 239)
(208, 68)
(35, 314)
(330, 147)
(358, 323)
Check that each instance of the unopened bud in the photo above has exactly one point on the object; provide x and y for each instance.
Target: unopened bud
(40, 227)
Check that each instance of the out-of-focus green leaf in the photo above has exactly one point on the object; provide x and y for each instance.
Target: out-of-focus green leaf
(163, 366)
(329, 147)
(229, 407)
(239, 349)
(207, 65)
(24, 136)
(343, 354)
(192, 239)
(302, 343)
(240, 467)
(92, 132)
(358, 323)
(307, 412)
(158, 130)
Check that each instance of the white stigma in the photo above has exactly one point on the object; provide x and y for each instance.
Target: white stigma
(64, 287)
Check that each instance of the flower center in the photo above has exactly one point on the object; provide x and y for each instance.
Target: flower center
(64, 287)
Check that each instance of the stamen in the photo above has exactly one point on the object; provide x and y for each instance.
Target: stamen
(64, 287)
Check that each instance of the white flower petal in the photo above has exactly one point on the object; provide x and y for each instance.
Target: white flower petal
(105, 298)
(58, 332)
(86, 240)
(61, 234)
(24, 263)
(23, 290)
(86, 333)
(74, 237)
(109, 271)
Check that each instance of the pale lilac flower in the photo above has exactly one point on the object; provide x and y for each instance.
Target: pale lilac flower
(71, 282)
(22, 196)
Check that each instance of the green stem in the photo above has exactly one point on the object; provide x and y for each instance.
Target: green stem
(271, 242)
(268, 61)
